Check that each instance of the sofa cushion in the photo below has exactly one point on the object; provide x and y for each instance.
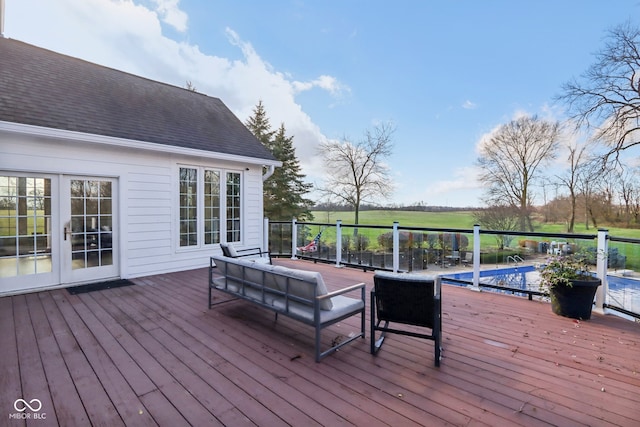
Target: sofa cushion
(256, 294)
(228, 250)
(302, 284)
(238, 269)
(260, 274)
(343, 306)
(226, 284)
(231, 267)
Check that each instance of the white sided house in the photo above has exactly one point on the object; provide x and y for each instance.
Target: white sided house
(107, 175)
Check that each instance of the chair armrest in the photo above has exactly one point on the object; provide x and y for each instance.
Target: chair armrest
(342, 291)
(254, 251)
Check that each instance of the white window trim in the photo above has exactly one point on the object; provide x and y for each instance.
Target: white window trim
(200, 206)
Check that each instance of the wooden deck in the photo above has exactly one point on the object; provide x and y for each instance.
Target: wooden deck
(153, 354)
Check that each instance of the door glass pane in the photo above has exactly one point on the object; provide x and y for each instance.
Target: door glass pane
(25, 225)
(91, 223)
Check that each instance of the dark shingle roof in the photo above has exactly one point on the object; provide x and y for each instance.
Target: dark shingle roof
(43, 88)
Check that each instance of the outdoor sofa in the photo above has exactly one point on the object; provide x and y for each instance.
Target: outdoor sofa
(298, 294)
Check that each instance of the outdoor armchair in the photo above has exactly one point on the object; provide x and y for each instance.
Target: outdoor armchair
(412, 300)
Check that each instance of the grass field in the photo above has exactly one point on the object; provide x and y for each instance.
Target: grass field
(463, 219)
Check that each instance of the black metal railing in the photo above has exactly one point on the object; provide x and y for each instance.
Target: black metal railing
(408, 248)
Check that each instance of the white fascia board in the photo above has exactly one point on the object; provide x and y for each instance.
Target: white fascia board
(68, 135)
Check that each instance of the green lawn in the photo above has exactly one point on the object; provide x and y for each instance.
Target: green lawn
(404, 218)
(462, 219)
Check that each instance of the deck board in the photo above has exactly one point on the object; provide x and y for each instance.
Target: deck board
(87, 367)
(154, 354)
(32, 374)
(10, 384)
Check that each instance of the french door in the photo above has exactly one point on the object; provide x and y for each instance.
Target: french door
(89, 244)
(56, 230)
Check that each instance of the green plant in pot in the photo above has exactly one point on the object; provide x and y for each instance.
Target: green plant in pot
(571, 285)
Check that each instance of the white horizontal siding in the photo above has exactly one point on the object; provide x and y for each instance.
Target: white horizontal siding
(148, 196)
(149, 215)
(253, 210)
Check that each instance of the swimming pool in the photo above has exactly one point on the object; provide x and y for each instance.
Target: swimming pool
(624, 292)
(524, 277)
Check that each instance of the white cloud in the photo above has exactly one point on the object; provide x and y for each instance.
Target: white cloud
(468, 105)
(465, 178)
(328, 83)
(461, 188)
(171, 14)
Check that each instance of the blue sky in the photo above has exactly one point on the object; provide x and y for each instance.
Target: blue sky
(445, 73)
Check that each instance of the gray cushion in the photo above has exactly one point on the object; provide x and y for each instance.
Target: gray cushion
(230, 249)
(244, 269)
(302, 284)
(226, 284)
(247, 291)
(341, 306)
(260, 273)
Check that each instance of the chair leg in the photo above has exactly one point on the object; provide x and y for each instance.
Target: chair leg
(377, 343)
(317, 345)
(372, 320)
(437, 339)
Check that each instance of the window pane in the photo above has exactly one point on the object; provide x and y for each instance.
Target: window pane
(188, 206)
(233, 207)
(211, 207)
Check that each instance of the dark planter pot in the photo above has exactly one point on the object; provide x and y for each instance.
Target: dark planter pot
(574, 301)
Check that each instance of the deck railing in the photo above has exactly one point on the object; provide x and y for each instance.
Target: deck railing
(485, 255)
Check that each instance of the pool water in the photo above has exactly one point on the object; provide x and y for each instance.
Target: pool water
(524, 277)
(624, 292)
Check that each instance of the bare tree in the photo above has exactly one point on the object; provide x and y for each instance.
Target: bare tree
(588, 184)
(356, 172)
(499, 217)
(628, 188)
(608, 186)
(607, 97)
(189, 86)
(510, 158)
(571, 178)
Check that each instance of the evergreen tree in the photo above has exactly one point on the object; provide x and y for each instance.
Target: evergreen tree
(259, 125)
(284, 190)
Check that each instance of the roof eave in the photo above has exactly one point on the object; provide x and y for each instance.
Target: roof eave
(67, 135)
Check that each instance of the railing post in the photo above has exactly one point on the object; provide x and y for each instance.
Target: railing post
(294, 237)
(338, 243)
(601, 269)
(265, 235)
(476, 258)
(396, 247)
